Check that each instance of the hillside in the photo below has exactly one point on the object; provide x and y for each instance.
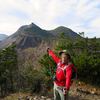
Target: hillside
(32, 35)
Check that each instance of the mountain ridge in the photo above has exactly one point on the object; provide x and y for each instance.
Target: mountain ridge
(31, 35)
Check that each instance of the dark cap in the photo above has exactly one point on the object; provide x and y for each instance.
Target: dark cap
(63, 51)
(66, 52)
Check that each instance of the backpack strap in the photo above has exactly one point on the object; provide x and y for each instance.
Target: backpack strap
(64, 69)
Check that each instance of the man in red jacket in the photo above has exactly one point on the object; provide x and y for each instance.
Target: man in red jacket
(63, 75)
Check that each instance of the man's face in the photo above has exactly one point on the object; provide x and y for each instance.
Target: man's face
(64, 58)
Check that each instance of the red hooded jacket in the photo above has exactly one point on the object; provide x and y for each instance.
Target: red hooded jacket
(62, 79)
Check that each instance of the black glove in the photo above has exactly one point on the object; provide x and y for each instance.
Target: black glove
(48, 49)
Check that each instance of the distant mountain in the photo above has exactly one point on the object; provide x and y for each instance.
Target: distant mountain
(3, 36)
(68, 32)
(32, 35)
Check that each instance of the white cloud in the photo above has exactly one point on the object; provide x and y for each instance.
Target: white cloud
(96, 23)
(79, 15)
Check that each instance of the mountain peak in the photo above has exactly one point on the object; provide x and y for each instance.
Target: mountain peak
(32, 25)
(31, 35)
(62, 28)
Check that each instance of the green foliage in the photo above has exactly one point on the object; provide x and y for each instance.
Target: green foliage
(85, 55)
(33, 79)
(48, 66)
(8, 66)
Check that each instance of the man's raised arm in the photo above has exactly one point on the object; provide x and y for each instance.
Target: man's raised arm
(53, 55)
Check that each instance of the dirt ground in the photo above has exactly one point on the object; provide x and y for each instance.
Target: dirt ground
(79, 91)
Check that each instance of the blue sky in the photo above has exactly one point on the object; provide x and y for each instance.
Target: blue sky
(79, 15)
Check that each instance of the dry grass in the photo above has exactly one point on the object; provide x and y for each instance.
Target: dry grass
(15, 96)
